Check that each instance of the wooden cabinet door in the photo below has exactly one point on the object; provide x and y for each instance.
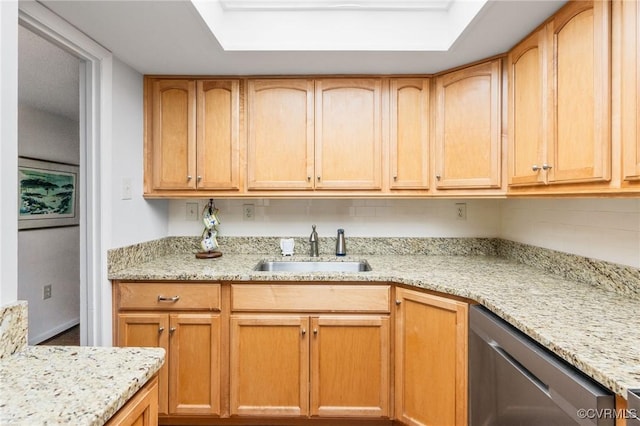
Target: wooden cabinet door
(527, 111)
(350, 366)
(409, 142)
(430, 359)
(148, 330)
(630, 80)
(141, 409)
(173, 139)
(280, 151)
(579, 94)
(218, 134)
(467, 129)
(269, 365)
(348, 134)
(194, 364)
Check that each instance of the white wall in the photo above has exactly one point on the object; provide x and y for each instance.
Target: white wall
(606, 229)
(134, 220)
(359, 218)
(8, 151)
(49, 255)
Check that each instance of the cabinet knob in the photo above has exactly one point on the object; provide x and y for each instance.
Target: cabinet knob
(303, 331)
(318, 178)
(172, 329)
(395, 178)
(398, 302)
(309, 178)
(199, 178)
(546, 167)
(315, 331)
(438, 177)
(535, 168)
(161, 329)
(189, 177)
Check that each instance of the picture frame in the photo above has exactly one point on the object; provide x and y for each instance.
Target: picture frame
(47, 194)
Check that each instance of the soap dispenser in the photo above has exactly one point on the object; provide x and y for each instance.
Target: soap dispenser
(341, 248)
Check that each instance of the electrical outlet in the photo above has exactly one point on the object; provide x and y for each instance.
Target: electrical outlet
(46, 292)
(248, 212)
(461, 211)
(192, 211)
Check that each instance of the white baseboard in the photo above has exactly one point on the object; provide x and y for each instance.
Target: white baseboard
(34, 340)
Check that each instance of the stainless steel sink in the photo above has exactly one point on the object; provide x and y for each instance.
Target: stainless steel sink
(312, 266)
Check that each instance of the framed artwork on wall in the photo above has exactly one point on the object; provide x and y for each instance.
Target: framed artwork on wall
(47, 194)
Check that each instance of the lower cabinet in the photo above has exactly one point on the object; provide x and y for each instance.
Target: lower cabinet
(430, 359)
(141, 409)
(189, 379)
(297, 365)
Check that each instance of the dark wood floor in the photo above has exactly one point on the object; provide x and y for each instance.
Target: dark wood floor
(70, 337)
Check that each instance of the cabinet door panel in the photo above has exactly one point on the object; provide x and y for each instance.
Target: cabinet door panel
(269, 365)
(348, 134)
(527, 122)
(218, 136)
(350, 366)
(280, 153)
(468, 128)
(431, 359)
(174, 134)
(148, 330)
(409, 143)
(630, 75)
(194, 361)
(580, 94)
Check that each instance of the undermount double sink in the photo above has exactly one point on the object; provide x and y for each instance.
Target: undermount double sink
(312, 266)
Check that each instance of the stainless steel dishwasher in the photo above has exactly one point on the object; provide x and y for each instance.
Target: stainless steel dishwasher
(633, 410)
(514, 381)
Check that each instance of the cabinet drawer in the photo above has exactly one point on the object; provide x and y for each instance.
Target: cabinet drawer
(310, 297)
(169, 296)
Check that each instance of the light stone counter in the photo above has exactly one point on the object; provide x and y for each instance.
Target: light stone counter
(593, 327)
(63, 385)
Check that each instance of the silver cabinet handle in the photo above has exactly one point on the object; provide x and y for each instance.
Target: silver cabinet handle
(160, 330)
(309, 178)
(398, 302)
(546, 167)
(172, 329)
(315, 331)
(535, 168)
(318, 178)
(199, 178)
(189, 177)
(173, 299)
(304, 331)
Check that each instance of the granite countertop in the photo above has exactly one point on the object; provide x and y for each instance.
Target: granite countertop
(588, 326)
(58, 385)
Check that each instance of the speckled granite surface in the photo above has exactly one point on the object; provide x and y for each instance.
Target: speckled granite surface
(61, 385)
(13, 328)
(594, 328)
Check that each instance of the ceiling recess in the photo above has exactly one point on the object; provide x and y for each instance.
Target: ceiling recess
(385, 5)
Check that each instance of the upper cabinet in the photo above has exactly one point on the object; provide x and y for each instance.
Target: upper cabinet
(468, 128)
(280, 152)
(409, 122)
(560, 99)
(193, 135)
(630, 101)
(348, 134)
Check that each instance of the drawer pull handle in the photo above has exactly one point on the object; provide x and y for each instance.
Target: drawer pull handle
(173, 299)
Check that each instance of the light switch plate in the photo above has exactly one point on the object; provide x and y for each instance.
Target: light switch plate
(192, 211)
(126, 188)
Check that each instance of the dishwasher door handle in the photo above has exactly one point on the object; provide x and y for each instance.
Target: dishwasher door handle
(521, 369)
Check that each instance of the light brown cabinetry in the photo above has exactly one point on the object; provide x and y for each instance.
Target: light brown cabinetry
(328, 365)
(630, 85)
(409, 118)
(468, 128)
(141, 409)
(192, 137)
(430, 359)
(165, 315)
(280, 154)
(348, 133)
(560, 99)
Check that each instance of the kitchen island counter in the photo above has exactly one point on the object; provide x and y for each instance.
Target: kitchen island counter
(586, 325)
(72, 385)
